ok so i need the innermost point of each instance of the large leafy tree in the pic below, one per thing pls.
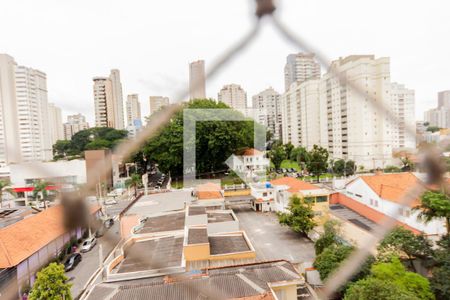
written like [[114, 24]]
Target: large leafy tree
[[435, 205], [403, 242], [300, 155], [51, 283], [440, 282], [300, 216], [318, 161], [328, 237], [394, 272], [373, 288], [277, 154], [95, 138], [5, 187], [214, 141], [342, 167], [330, 259]]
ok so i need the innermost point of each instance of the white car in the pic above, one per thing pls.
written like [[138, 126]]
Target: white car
[[88, 244], [110, 202]]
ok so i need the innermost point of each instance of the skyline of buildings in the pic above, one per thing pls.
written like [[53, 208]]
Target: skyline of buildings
[[440, 116], [300, 67]]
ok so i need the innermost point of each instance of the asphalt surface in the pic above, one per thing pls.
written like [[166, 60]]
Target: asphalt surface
[[271, 240]]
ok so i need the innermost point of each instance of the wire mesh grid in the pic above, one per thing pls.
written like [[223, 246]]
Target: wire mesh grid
[[74, 204]]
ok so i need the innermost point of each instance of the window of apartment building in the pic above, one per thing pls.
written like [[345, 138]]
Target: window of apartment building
[[358, 195]]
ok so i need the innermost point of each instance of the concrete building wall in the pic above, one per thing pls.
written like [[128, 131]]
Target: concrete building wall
[[133, 109], [403, 105], [55, 123], [9, 125], [157, 102], [268, 104], [300, 67], [74, 124]]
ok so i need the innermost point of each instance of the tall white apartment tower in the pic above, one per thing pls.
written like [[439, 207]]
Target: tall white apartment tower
[[356, 129], [55, 123], [197, 83], [32, 110], [116, 87], [403, 107], [234, 96], [300, 67], [9, 125], [303, 114], [268, 105], [108, 101], [133, 109]]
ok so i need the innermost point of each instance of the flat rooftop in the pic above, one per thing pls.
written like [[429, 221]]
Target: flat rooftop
[[216, 217], [152, 254], [197, 236], [228, 244], [197, 210], [226, 283], [353, 217], [169, 222], [162, 202]]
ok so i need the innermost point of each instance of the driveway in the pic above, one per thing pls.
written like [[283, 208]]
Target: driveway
[[271, 240]]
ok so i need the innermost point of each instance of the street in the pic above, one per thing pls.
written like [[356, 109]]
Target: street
[[270, 239]]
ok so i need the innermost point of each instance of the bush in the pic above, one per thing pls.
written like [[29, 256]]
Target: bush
[[51, 284], [329, 236]]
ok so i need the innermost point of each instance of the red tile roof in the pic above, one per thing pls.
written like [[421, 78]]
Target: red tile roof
[[251, 152], [392, 187], [295, 185], [22, 239]]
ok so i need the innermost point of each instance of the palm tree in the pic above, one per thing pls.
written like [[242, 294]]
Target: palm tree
[[5, 187], [134, 181], [40, 190], [434, 205]]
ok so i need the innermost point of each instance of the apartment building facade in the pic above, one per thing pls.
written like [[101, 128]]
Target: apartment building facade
[[234, 96], [197, 80], [300, 67], [108, 101], [268, 106], [403, 107], [157, 102], [74, 124], [56, 127]]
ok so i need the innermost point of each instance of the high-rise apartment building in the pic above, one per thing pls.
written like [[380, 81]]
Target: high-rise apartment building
[[438, 117], [9, 125], [74, 124], [157, 102], [108, 101], [356, 128], [300, 67], [403, 107], [197, 84], [32, 109], [133, 109], [444, 99], [268, 105], [55, 123], [234, 96], [303, 118]]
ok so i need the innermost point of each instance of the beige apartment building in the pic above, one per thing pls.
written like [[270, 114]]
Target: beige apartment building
[[133, 109], [55, 123], [157, 102], [74, 124], [234, 96], [108, 101], [197, 80], [299, 68], [268, 106]]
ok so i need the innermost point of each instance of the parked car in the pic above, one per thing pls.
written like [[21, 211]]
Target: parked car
[[291, 170], [100, 232], [109, 222], [279, 171], [72, 261], [88, 244], [283, 170]]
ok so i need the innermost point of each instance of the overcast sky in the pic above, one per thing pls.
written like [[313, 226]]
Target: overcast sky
[[152, 42]]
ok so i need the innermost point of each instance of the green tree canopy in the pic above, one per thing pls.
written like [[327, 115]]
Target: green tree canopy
[[277, 154], [402, 242], [300, 155], [215, 141], [89, 139], [134, 181], [440, 282], [330, 259], [318, 161], [342, 167], [51, 284], [5, 186], [300, 216], [435, 205], [374, 288], [328, 237]]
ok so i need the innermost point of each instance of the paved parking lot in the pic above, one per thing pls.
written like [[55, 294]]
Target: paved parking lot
[[270, 239]]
